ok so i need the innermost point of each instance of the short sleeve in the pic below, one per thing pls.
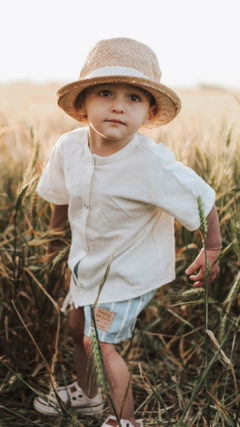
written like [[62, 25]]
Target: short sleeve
[[52, 185], [177, 191]]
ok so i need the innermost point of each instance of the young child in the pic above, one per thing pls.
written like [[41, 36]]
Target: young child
[[111, 180]]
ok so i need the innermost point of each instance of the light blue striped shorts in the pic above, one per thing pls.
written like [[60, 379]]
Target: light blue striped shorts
[[124, 320]]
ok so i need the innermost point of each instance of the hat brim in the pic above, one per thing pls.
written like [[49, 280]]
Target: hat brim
[[167, 101]]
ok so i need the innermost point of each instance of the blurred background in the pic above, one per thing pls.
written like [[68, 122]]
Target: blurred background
[[44, 44]]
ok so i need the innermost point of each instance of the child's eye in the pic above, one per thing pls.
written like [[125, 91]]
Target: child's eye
[[105, 93], [135, 98]]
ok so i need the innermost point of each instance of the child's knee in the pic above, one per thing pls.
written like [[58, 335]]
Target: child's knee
[[76, 324], [109, 353], [87, 343], [107, 349]]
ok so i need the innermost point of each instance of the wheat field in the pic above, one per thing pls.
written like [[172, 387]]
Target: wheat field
[[167, 356]]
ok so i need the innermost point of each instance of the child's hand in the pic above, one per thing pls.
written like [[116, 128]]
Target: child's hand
[[199, 263]]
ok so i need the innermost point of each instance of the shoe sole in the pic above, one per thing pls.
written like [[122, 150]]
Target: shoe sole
[[90, 409], [49, 410]]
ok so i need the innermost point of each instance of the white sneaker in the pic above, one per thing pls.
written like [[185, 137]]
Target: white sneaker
[[112, 421], [78, 399]]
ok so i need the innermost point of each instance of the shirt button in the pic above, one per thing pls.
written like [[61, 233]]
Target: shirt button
[[94, 161], [86, 206]]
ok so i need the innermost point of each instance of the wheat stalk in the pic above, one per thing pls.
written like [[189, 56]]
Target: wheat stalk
[[197, 388], [204, 229], [33, 210], [235, 227], [232, 295], [99, 365], [227, 361], [95, 343], [58, 258]]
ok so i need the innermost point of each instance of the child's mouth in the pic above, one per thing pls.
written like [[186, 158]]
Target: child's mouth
[[116, 122]]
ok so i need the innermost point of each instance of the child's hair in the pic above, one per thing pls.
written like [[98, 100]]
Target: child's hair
[[80, 98], [152, 101]]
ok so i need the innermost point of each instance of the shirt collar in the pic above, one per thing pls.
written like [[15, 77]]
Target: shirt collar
[[116, 156]]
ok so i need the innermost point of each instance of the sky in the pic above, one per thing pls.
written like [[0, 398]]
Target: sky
[[196, 41]]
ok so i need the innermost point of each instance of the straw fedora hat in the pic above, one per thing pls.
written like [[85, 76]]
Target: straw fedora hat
[[122, 60]]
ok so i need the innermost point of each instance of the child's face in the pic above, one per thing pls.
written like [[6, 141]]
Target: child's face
[[116, 110]]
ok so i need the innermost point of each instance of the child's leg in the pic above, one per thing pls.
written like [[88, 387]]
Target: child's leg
[[118, 378], [82, 404], [85, 373]]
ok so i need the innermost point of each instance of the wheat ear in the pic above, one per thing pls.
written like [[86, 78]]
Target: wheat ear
[[204, 229]]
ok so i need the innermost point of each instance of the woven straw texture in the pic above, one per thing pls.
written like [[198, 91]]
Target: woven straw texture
[[123, 52]]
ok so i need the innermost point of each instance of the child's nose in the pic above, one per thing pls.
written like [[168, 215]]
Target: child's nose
[[117, 106], [117, 110]]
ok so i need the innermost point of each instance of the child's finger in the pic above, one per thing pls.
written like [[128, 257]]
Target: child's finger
[[193, 267], [199, 276], [198, 263], [199, 284]]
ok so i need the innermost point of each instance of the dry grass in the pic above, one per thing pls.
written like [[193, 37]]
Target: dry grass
[[173, 322]]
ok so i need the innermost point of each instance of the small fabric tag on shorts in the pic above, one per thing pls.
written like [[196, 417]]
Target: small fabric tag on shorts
[[104, 318]]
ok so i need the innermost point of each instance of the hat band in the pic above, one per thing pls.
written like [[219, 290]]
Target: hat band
[[115, 71]]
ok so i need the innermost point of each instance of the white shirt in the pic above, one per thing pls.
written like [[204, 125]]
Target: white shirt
[[136, 193]]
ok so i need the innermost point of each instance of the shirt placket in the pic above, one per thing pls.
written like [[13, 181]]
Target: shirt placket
[[86, 198]]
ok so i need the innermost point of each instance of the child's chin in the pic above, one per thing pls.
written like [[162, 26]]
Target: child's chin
[[113, 135]]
